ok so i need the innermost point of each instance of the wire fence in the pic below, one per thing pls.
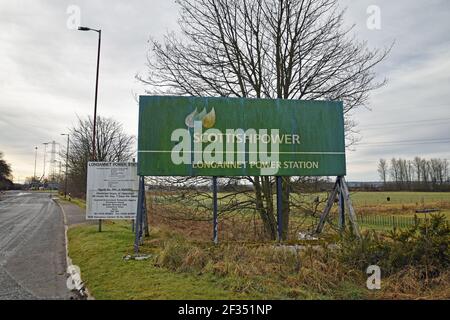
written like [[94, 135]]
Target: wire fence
[[366, 220], [389, 221]]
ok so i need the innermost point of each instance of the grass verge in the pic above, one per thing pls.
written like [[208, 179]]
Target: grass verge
[[414, 264], [108, 276], [77, 201], [183, 270]]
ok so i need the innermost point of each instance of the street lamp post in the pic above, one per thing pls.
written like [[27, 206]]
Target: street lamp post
[[45, 155], [67, 164], [35, 160], [94, 157], [96, 89]]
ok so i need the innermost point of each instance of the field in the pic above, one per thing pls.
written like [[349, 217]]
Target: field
[[399, 198], [373, 210], [184, 264], [361, 200]]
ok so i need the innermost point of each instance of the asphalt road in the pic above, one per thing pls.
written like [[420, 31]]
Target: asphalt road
[[32, 247]]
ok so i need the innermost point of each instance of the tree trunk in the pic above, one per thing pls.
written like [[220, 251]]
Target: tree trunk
[[263, 195], [286, 188]]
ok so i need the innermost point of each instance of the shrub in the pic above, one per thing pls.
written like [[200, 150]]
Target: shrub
[[195, 260], [173, 254], [424, 246]]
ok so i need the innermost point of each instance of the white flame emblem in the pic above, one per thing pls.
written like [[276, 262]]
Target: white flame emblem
[[208, 119]]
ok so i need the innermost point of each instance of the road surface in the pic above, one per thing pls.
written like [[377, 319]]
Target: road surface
[[32, 247]]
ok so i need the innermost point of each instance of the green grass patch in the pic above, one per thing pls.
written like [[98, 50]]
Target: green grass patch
[[180, 269], [399, 197], [77, 201], [371, 198], [108, 276], [183, 269]]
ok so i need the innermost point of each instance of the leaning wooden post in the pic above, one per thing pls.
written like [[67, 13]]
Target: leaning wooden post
[[351, 211], [327, 209], [341, 206]]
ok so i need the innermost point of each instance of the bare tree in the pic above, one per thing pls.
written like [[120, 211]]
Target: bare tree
[[419, 174], [417, 167], [112, 144], [446, 172], [287, 49], [424, 169], [5, 168], [394, 171], [383, 170], [5, 173]]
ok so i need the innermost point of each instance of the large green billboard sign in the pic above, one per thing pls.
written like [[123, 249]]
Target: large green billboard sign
[[193, 136]]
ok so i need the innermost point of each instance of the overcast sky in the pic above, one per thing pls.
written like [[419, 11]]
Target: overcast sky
[[47, 74]]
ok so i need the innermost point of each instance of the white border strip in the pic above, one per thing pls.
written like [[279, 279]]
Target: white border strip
[[83, 291]]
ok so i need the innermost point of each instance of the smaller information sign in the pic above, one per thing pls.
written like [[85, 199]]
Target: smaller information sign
[[112, 190]]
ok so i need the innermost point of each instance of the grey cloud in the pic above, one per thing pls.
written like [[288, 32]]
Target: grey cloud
[[47, 71]]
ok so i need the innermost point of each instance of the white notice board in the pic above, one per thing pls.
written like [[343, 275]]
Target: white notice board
[[112, 190]]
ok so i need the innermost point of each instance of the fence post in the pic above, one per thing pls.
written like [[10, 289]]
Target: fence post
[[215, 215], [138, 221], [145, 215]]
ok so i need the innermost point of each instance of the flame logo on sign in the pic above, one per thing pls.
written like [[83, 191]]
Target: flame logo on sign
[[208, 119]]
